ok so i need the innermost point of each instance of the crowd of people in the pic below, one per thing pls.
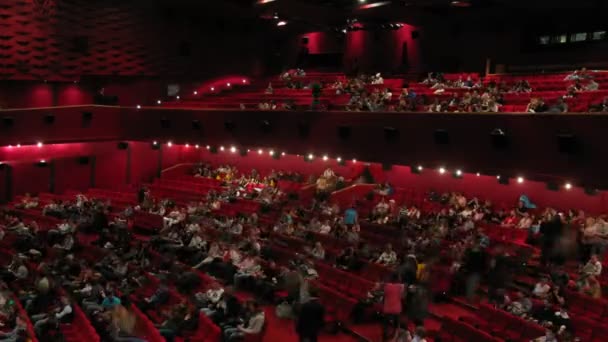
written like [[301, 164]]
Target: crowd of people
[[52, 271]]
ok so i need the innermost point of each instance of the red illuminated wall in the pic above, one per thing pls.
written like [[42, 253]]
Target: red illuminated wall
[[373, 50]]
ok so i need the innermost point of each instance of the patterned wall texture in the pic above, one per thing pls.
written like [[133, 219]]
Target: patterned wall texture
[[63, 39]]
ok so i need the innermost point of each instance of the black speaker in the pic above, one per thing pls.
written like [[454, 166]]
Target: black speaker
[[391, 134], [415, 34], [552, 186], [305, 40], [303, 130], [591, 191], [230, 126], [49, 119], [503, 180], [196, 125], [442, 137], [499, 139], [8, 121], [265, 127], [185, 49], [568, 144], [165, 123], [387, 166], [83, 160], [344, 132], [123, 145]]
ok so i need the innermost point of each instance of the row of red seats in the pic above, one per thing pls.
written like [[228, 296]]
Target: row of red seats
[[147, 221], [455, 331], [501, 323], [344, 282]]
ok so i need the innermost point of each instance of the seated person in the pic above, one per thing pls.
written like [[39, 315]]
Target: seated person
[[388, 256], [253, 326], [318, 252], [63, 314], [542, 289], [521, 306], [183, 318], [207, 302], [247, 269]]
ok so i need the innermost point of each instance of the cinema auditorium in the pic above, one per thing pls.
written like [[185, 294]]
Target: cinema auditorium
[[303, 170]]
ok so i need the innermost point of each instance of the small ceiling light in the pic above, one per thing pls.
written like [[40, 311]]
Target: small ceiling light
[[212, 88], [228, 84], [248, 150], [325, 158], [177, 97], [39, 144], [271, 152], [208, 147], [420, 168], [478, 174], [354, 160], [42, 161], [155, 142], [18, 145], [159, 102], [282, 23], [568, 186], [232, 149], [195, 92], [343, 30], [276, 15], [10, 146], [520, 180], [441, 170], [339, 159], [497, 176], [244, 80], [138, 107], [196, 146], [283, 153], [310, 156], [169, 144], [458, 173], [187, 145], [221, 148], [361, 1], [260, 151], [461, 3]]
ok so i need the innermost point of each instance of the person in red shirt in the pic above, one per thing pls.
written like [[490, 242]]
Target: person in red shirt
[[392, 306]]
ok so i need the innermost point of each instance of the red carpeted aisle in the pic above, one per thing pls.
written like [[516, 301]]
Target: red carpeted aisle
[[281, 330]]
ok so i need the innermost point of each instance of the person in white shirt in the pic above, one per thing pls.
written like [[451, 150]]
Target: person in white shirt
[[254, 326], [247, 269], [592, 268], [210, 299], [325, 227], [67, 244], [388, 257], [318, 252], [542, 289], [62, 314]]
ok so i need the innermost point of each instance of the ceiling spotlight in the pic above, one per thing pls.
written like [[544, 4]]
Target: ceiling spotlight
[[233, 149], [177, 97], [419, 167], [458, 173], [568, 186], [212, 88], [324, 158], [138, 107], [282, 23], [260, 151], [208, 147], [339, 159], [42, 161], [221, 148], [18, 145], [283, 153], [244, 80], [276, 15], [155, 143], [343, 30], [271, 152], [497, 176], [441, 170], [354, 160], [310, 156], [248, 150], [10, 146], [169, 144], [39, 144], [196, 146], [228, 84], [520, 180], [159, 102], [187, 145], [195, 92], [361, 1], [478, 174]]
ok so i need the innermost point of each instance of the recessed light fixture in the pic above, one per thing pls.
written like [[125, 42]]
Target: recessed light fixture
[[441, 170], [458, 173], [520, 180], [568, 186]]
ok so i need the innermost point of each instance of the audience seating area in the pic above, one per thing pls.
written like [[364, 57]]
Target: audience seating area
[[549, 87], [339, 290]]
